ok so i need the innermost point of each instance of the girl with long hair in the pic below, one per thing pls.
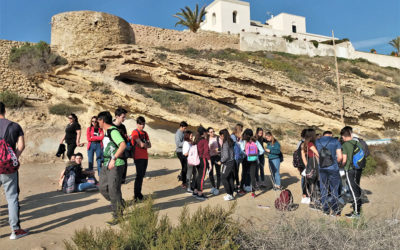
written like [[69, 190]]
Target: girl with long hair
[[72, 135], [228, 164], [191, 170], [274, 159], [95, 135], [204, 155]]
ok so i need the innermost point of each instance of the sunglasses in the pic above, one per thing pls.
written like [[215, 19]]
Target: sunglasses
[[94, 121]]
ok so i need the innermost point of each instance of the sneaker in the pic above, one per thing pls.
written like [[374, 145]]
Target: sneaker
[[184, 186], [189, 190], [353, 215], [226, 197], [213, 190], [305, 200], [112, 222], [253, 195], [216, 192], [201, 197], [230, 197], [247, 189], [18, 234], [194, 194]]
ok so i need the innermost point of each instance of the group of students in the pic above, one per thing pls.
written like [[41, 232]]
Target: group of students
[[109, 140], [330, 168], [200, 154]]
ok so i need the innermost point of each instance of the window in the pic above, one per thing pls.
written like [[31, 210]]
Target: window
[[234, 16], [214, 19], [294, 30]]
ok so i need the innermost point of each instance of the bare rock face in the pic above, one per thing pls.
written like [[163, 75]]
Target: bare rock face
[[78, 32], [242, 93]]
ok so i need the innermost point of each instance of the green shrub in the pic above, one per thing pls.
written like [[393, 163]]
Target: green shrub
[[315, 42], [64, 109], [161, 56], [358, 72], [330, 81], [288, 38], [370, 166], [34, 58], [382, 91], [141, 228], [169, 99], [140, 90], [11, 99], [102, 87]]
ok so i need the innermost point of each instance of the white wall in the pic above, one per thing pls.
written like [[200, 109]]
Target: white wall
[[223, 10], [253, 42], [284, 22]]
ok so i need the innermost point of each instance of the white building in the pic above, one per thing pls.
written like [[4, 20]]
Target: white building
[[233, 17]]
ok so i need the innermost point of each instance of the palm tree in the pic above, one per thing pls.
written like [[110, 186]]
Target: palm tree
[[396, 44], [191, 19]]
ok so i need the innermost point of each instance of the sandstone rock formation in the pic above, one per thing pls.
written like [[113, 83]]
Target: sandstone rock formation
[[78, 32]]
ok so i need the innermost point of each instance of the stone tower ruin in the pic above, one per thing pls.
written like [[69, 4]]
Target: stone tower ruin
[[78, 32]]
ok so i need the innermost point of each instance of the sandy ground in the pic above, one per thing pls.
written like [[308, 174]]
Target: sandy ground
[[52, 216]]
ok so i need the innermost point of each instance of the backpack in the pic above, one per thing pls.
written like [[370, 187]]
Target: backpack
[[285, 201], [8, 159], [297, 160], [364, 146], [193, 156], [358, 157], [251, 151], [325, 157], [69, 185], [311, 169]]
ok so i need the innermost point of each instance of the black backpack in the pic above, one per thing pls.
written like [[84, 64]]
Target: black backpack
[[325, 157], [297, 160]]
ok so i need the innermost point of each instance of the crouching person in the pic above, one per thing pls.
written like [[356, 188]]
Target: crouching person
[[111, 173], [75, 179]]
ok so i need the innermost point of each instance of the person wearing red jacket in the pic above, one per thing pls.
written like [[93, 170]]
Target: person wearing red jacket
[[95, 137], [204, 155]]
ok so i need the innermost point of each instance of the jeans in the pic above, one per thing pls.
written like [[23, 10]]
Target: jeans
[[214, 164], [95, 147], [191, 176], [228, 176], [141, 167], [260, 168], [11, 190], [274, 165], [329, 180], [85, 185], [110, 188], [183, 161]]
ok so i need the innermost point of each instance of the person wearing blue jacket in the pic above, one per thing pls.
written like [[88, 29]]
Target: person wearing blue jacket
[[274, 159]]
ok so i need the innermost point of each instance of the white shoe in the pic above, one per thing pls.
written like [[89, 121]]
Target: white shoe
[[216, 192], [305, 200], [247, 188], [230, 197]]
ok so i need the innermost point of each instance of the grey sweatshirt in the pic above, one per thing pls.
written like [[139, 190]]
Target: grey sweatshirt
[[179, 141], [227, 153]]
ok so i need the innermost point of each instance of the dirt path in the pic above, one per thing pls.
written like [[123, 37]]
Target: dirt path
[[52, 216]]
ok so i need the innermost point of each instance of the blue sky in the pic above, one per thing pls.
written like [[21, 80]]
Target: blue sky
[[367, 23]]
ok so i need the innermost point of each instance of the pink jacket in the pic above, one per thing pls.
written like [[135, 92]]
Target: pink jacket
[[94, 138]]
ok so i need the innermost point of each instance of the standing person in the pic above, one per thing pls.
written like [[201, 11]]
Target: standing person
[[330, 152], [236, 136], [120, 116], [274, 159], [179, 139], [95, 136], [204, 155], [141, 142], [214, 144], [228, 164], [305, 199], [72, 135], [252, 149], [111, 173], [260, 177], [11, 135], [353, 175], [191, 171], [310, 156]]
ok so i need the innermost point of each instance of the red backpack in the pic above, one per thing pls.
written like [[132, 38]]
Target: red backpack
[[8, 159], [285, 201]]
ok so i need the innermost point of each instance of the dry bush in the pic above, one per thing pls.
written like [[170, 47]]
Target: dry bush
[[293, 233], [382, 91], [65, 109], [11, 99]]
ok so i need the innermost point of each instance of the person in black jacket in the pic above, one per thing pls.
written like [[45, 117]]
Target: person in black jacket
[[228, 164]]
